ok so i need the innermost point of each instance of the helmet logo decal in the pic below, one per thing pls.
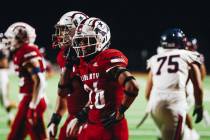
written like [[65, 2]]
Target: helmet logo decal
[[98, 30]]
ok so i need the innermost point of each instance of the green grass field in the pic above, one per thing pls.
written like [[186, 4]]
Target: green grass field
[[147, 131]]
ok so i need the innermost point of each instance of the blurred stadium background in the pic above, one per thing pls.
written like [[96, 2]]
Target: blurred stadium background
[[135, 27]]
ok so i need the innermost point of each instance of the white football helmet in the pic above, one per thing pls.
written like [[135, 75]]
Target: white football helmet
[[20, 30], [65, 28], [91, 36]]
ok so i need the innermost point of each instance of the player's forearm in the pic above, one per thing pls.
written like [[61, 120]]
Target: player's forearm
[[130, 86], [195, 75], [64, 85], [61, 105], [35, 91], [131, 92], [203, 71], [198, 94], [149, 86]]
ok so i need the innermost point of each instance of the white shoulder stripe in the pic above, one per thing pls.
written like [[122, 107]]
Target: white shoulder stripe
[[117, 60], [30, 54]]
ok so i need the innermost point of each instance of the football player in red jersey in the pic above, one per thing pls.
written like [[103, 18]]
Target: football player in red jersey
[[68, 98], [29, 67], [110, 86]]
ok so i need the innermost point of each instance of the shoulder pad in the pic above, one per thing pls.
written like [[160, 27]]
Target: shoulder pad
[[191, 57], [111, 58], [149, 62]]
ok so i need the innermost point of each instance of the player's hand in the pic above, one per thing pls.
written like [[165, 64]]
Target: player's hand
[[198, 111], [52, 130], [53, 125], [112, 119], [72, 128], [32, 116]]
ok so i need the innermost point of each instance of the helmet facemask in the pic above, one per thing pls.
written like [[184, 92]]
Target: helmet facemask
[[63, 36], [85, 46]]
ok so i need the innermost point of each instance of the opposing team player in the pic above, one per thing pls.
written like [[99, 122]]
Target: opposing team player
[[68, 98], [29, 67], [110, 86], [192, 45], [4, 81], [166, 85]]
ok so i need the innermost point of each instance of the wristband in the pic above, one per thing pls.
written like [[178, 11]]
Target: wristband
[[82, 116], [56, 118], [122, 109]]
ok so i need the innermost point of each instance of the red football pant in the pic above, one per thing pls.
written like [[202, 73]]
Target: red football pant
[[21, 127], [118, 131]]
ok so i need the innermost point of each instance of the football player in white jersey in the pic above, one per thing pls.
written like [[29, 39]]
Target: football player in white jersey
[[166, 85]]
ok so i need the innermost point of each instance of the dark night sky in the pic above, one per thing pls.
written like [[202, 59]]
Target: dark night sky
[[135, 25]]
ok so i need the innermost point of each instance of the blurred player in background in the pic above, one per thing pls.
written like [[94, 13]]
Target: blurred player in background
[[110, 86], [29, 66], [192, 45], [48, 66], [70, 87], [166, 85], [4, 81]]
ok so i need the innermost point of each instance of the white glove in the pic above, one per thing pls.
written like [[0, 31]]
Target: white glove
[[72, 127], [51, 130]]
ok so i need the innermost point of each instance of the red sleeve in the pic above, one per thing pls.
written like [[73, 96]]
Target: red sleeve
[[111, 58], [30, 54]]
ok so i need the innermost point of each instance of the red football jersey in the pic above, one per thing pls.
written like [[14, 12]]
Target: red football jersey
[[76, 100], [61, 61], [105, 94], [20, 58]]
